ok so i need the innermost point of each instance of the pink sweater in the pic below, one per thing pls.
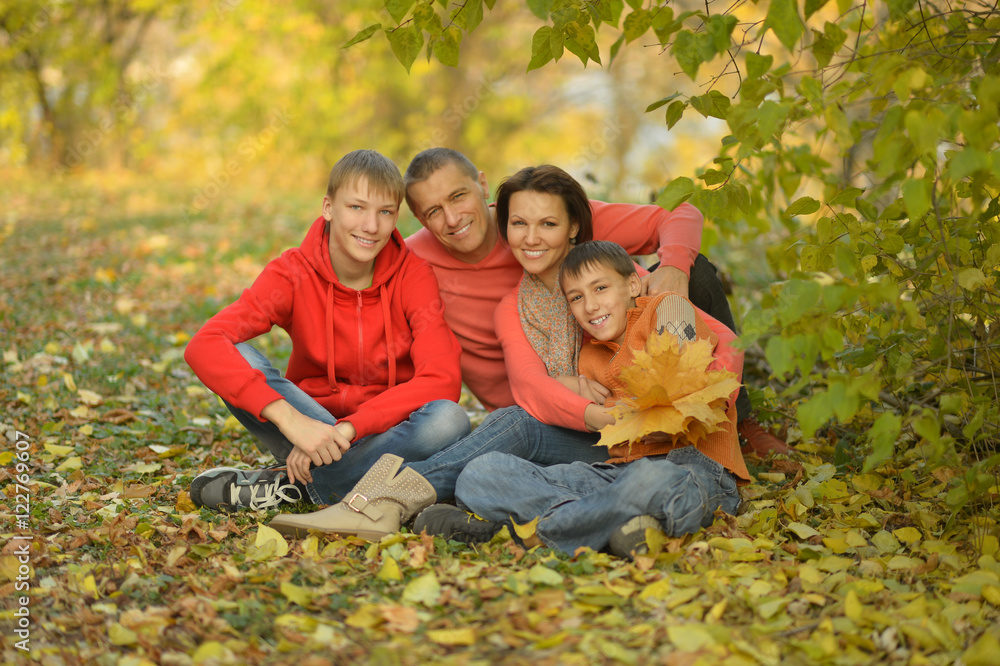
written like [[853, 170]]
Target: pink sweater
[[471, 292]]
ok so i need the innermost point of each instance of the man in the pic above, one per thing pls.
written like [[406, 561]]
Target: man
[[448, 195]]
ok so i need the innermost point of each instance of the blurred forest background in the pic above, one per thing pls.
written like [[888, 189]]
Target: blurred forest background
[[208, 101], [154, 154]]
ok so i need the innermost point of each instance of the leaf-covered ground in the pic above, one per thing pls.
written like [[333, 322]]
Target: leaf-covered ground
[[100, 290]]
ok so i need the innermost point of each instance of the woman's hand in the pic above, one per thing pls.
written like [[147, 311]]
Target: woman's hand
[[596, 417], [585, 388]]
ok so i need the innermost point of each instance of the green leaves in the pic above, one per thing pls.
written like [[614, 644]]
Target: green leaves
[[406, 44], [783, 19], [363, 35]]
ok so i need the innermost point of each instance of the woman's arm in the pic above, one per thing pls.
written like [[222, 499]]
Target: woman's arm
[[542, 396]]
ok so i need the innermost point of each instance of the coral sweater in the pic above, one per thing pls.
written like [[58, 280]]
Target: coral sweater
[[370, 356], [471, 292], [603, 361]]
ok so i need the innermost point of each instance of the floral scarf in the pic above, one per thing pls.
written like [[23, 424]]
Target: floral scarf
[[549, 325]]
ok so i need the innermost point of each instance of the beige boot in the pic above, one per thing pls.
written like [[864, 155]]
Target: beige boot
[[380, 502]]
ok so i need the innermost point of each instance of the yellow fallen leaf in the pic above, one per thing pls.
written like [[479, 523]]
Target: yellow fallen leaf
[[211, 652], [267, 534], [527, 530], [658, 590], [853, 608], [991, 593], [298, 623], [59, 450], [70, 464], [90, 398], [983, 652], [465, 636], [6, 457], [82, 412], [119, 635], [543, 575], [296, 593], [424, 590], [69, 382], [689, 637], [184, 503], [366, 617], [389, 571]]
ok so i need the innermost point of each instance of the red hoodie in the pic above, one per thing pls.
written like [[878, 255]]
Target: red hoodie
[[370, 357]]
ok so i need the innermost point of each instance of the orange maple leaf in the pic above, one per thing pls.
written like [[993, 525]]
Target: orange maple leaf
[[671, 395]]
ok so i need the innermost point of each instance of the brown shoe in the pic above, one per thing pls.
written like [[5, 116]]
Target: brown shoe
[[755, 439]]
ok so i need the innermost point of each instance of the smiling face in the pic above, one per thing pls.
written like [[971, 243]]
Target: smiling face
[[361, 223], [539, 232], [453, 207], [599, 297]]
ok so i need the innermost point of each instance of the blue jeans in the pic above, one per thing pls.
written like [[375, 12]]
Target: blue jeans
[[581, 505], [513, 431], [430, 429]]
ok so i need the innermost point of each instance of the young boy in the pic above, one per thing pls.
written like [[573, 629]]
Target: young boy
[[374, 369], [650, 484]]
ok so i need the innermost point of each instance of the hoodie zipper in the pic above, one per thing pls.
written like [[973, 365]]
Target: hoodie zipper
[[361, 344]]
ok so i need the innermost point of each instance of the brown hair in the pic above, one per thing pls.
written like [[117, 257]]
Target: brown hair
[[596, 253], [380, 172], [551, 180], [429, 161]]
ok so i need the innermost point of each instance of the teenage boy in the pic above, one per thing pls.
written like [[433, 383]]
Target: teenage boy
[[374, 368], [652, 483], [475, 270]]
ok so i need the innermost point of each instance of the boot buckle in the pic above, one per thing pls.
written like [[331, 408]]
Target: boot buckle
[[364, 507], [362, 502]]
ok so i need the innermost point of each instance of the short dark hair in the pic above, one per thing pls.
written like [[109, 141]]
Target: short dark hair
[[380, 172], [596, 253], [550, 180], [428, 161]]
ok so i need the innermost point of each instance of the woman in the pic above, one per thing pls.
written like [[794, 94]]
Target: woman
[[541, 212]]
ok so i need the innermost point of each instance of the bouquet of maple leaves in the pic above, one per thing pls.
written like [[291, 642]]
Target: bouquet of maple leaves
[[670, 395]]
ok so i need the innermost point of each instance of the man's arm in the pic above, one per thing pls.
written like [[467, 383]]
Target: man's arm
[[675, 237]]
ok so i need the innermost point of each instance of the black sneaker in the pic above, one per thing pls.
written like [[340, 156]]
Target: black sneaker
[[630, 538], [231, 489], [454, 524]]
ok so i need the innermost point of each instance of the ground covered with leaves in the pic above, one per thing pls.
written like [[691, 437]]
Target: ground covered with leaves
[[99, 293]]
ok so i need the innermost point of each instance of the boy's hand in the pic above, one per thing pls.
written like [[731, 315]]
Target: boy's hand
[[596, 417], [314, 442], [665, 278], [320, 444]]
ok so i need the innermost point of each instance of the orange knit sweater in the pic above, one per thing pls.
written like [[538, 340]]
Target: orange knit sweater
[[603, 361]]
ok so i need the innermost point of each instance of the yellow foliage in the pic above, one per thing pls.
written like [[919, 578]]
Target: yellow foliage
[[671, 395]]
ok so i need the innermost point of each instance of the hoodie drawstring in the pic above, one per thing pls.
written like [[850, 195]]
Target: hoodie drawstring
[[389, 342], [331, 368]]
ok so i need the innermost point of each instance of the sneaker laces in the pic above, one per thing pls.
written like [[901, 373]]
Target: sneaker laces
[[266, 495]]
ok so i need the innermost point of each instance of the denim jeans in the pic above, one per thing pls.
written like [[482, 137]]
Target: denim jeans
[[513, 431], [706, 291], [581, 504], [429, 429]]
